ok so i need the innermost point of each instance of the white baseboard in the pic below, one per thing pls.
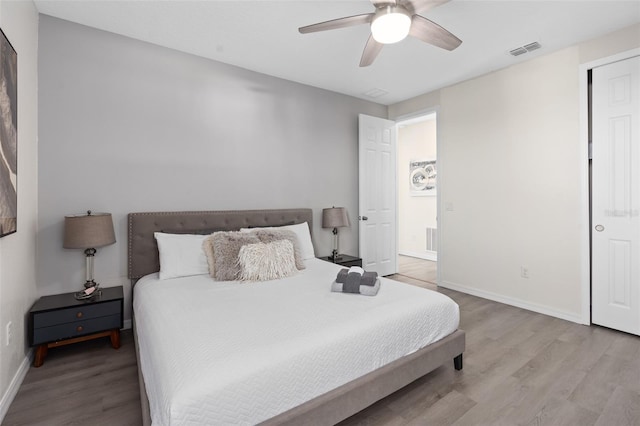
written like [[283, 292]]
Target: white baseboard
[[14, 386], [420, 255], [541, 309], [126, 324]]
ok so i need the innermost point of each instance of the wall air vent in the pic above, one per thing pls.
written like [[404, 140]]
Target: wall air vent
[[432, 239], [525, 49]]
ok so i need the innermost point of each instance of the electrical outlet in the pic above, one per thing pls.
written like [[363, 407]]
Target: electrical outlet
[[524, 272], [9, 333]]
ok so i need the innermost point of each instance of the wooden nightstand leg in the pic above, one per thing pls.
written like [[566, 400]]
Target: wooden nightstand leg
[[115, 339], [41, 353]]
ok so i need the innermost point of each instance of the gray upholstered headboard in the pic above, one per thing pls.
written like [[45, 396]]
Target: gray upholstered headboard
[[143, 249]]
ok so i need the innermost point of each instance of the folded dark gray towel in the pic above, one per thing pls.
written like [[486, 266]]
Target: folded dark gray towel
[[342, 276], [365, 290], [369, 278], [352, 285]]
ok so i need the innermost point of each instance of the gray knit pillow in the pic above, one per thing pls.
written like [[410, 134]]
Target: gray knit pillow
[[270, 235], [226, 246], [267, 261]]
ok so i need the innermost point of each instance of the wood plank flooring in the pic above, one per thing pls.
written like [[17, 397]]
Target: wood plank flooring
[[520, 368], [417, 269], [87, 383]]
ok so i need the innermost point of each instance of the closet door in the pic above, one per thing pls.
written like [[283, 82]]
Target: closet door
[[615, 283]]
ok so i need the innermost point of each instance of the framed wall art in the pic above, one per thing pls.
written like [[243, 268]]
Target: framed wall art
[[8, 137], [422, 177]]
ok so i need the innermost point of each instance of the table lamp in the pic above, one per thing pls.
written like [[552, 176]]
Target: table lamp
[[335, 217], [88, 232]]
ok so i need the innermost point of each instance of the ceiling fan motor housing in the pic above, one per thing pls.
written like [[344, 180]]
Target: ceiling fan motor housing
[[390, 24]]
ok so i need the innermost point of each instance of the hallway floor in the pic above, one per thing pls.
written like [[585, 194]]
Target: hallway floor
[[419, 270]]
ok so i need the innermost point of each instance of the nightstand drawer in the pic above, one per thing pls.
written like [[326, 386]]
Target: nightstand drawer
[[75, 314], [75, 329]]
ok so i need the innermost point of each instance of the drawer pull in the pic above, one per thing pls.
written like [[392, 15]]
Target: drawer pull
[[79, 315], [79, 328]]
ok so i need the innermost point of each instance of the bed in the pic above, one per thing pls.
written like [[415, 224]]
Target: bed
[[341, 354]]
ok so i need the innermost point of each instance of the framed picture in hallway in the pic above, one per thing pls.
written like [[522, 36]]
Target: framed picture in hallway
[[8, 137], [422, 177]]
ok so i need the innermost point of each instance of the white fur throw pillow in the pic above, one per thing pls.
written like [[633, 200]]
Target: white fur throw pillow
[[226, 246], [274, 234], [263, 262], [303, 233]]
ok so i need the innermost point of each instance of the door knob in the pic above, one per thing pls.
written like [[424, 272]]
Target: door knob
[[363, 218], [599, 228]]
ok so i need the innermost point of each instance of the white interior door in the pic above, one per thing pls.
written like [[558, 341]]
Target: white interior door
[[615, 285], [377, 177]]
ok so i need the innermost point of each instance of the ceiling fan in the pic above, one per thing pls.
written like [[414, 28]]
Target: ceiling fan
[[392, 21]]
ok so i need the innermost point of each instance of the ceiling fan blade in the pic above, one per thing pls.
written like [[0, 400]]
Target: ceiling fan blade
[[371, 51], [337, 23], [378, 3], [432, 33], [421, 6]]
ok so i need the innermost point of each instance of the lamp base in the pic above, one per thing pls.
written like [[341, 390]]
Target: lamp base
[[89, 292], [335, 256]]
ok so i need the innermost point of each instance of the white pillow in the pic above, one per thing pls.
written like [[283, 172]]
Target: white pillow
[[181, 255], [304, 237]]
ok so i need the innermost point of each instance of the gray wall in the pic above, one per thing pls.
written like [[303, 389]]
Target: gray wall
[[129, 126], [19, 22]]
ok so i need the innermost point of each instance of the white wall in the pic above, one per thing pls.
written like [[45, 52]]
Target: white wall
[[19, 21], [128, 126], [511, 176], [416, 141]]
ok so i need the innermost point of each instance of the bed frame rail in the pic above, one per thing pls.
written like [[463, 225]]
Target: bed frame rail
[[355, 396]]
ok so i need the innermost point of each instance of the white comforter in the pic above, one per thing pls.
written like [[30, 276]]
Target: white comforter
[[239, 353]]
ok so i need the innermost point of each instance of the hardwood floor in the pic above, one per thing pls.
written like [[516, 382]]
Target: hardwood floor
[[520, 368], [417, 269], [87, 383]]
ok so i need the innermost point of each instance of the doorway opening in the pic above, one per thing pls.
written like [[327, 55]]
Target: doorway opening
[[417, 197]]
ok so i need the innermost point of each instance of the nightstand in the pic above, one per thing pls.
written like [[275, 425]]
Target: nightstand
[[345, 260], [62, 320]]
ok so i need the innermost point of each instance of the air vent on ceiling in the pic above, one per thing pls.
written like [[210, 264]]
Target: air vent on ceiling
[[519, 51], [524, 49], [532, 46], [375, 93]]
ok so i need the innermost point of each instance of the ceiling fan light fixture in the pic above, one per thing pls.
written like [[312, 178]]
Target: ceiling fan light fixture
[[391, 24]]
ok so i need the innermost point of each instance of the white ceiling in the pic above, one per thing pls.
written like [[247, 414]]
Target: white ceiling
[[262, 36]]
